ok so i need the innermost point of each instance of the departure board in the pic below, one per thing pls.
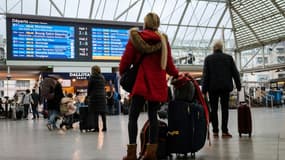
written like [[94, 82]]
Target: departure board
[[64, 39], [83, 42], [41, 40], [108, 43]]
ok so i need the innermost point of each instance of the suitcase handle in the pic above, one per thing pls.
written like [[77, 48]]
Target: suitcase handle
[[241, 96]]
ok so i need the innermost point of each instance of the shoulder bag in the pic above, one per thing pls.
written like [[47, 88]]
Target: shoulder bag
[[128, 78]]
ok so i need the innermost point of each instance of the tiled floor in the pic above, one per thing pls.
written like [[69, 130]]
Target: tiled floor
[[30, 140]]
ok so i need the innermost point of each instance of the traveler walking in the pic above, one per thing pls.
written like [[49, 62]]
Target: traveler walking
[[36, 99], [27, 101], [219, 70], [53, 103]]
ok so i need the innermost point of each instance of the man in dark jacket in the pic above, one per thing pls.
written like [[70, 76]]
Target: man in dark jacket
[[53, 105], [219, 70], [36, 100]]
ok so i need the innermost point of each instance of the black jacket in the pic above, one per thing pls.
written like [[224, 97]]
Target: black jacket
[[36, 98], [96, 93], [219, 70], [54, 103]]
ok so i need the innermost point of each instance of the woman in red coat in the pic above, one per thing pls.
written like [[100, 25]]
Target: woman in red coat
[[151, 84]]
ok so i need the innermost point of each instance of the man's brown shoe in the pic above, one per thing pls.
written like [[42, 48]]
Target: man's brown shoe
[[227, 135]]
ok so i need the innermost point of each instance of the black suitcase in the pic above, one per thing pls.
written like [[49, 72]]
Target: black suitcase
[[187, 127], [83, 118], [19, 114]]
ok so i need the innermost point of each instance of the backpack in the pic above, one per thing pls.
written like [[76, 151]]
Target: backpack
[[161, 152], [47, 88], [184, 89]]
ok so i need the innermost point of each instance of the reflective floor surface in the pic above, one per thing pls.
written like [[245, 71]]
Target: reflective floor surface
[[31, 140]]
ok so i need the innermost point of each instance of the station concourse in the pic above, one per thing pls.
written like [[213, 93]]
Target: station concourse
[[44, 38]]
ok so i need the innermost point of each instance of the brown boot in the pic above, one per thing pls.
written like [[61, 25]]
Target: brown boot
[[150, 153], [131, 153]]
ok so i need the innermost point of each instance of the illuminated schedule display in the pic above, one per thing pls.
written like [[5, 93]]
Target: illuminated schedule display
[[108, 43], [41, 40], [63, 39]]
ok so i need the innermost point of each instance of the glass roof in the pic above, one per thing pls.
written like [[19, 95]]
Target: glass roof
[[188, 23], [258, 22], [191, 25]]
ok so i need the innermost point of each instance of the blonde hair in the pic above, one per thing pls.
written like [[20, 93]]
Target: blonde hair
[[218, 45], [95, 69], [152, 22]]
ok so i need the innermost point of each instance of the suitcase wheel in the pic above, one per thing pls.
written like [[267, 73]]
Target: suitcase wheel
[[192, 156], [183, 156], [249, 134], [239, 134]]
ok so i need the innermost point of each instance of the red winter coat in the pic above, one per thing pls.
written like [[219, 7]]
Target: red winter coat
[[151, 79]]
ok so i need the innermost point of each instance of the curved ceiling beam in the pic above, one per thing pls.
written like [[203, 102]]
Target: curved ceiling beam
[[246, 23]]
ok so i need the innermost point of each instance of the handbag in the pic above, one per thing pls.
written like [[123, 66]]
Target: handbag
[[128, 78]]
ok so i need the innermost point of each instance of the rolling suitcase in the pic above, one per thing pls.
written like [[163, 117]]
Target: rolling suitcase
[[187, 127], [83, 118], [244, 119], [244, 115]]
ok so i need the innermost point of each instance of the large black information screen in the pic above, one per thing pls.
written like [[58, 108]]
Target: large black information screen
[[108, 43], [42, 40], [52, 39]]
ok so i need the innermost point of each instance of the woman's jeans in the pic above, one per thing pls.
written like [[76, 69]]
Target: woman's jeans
[[136, 107], [35, 111]]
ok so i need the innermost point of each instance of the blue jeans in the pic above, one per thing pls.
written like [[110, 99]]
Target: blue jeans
[[51, 119]]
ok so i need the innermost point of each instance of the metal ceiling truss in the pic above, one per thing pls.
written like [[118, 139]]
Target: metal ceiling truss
[[197, 29], [77, 10], [172, 12], [98, 8], [256, 53], [164, 4], [56, 8], [104, 6], [180, 21], [64, 7], [140, 11], [18, 2], [126, 10], [213, 13], [116, 9], [282, 12], [91, 9], [264, 69], [50, 7], [257, 23], [186, 32], [37, 7], [127, 13], [247, 24], [217, 26], [152, 6]]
